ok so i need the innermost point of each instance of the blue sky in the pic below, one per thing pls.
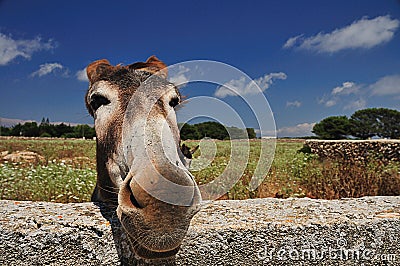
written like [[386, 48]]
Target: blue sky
[[312, 59]]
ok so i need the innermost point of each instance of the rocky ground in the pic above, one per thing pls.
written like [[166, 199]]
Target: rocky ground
[[358, 150], [267, 231]]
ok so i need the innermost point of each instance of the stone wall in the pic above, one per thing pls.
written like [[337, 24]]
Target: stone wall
[[362, 231], [359, 150]]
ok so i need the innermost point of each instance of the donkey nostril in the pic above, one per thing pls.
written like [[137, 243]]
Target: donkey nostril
[[133, 199], [134, 202]]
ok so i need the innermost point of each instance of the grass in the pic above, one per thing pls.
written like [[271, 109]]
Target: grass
[[56, 182], [51, 149], [68, 172]]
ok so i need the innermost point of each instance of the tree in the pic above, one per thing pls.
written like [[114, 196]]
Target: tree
[[388, 123], [5, 131], [212, 130], [333, 127], [46, 129], [380, 122], [189, 132], [251, 133], [30, 129], [83, 131], [16, 130], [215, 130], [62, 130], [363, 124]]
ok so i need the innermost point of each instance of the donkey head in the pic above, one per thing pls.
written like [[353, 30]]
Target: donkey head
[[140, 165]]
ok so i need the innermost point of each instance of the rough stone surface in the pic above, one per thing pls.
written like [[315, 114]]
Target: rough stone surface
[[362, 231], [23, 157], [358, 150]]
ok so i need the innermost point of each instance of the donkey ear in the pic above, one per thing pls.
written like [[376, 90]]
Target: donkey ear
[[152, 65], [192, 151], [95, 69]]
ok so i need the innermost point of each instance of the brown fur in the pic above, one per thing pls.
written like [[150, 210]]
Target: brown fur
[[152, 65], [120, 83], [102, 68]]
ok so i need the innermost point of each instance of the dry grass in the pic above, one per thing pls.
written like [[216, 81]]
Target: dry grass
[[351, 179]]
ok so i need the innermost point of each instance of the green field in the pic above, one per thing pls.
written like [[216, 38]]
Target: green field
[[67, 172]]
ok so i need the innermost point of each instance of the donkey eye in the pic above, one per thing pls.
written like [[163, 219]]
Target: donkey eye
[[98, 100], [174, 102]]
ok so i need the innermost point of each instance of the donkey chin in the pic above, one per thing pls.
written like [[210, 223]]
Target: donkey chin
[[155, 211]]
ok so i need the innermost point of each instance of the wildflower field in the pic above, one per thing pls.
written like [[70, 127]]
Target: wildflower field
[[67, 172]]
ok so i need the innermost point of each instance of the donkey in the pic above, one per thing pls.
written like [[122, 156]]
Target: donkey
[[188, 153], [140, 166]]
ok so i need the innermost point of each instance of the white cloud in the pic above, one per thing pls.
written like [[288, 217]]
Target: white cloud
[[46, 69], [11, 49], [340, 94], [328, 100], [266, 133], [293, 104], [353, 96], [364, 33], [356, 104], [81, 75], [179, 78], [299, 130], [242, 86], [388, 85], [236, 85], [9, 122], [330, 103], [346, 89], [292, 41]]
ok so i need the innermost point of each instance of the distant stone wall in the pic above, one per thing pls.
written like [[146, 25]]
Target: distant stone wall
[[359, 150], [362, 231]]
